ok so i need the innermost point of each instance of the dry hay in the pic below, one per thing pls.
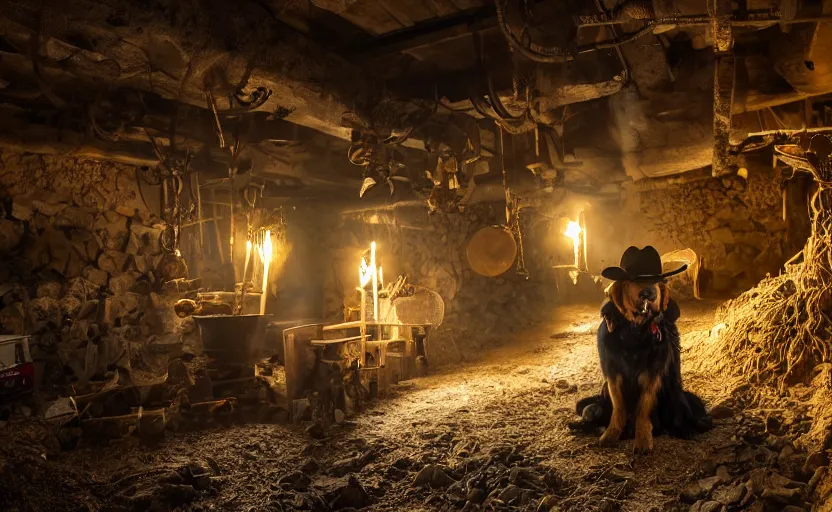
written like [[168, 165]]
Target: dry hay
[[778, 332]]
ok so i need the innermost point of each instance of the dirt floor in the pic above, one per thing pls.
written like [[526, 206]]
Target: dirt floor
[[489, 435]]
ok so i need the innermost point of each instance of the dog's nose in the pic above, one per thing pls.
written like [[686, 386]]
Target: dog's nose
[[647, 294]]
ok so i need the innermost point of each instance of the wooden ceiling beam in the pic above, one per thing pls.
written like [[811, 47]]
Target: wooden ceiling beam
[[429, 33]]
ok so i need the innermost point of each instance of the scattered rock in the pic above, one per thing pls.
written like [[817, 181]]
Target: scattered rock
[[720, 412], [435, 476], [773, 425], [95, 276], [707, 484], [315, 431], [692, 492], [723, 475], [113, 262], [310, 466], [350, 464], [781, 496], [296, 481], [509, 494], [49, 289], [476, 496], [730, 495], [403, 463], [174, 495], [706, 506], [815, 460], [820, 475], [74, 218], [349, 495], [790, 463], [547, 504], [339, 416], [123, 283]]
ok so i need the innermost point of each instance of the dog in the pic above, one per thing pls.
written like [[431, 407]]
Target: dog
[[640, 358]]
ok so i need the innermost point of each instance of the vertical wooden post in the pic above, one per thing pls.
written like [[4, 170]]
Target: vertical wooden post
[[363, 329], [214, 209], [199, 217]]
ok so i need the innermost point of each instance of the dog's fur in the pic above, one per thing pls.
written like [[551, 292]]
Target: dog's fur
[[642, 394]]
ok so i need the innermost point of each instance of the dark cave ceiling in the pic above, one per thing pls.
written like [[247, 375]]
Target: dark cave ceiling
[[318, 95]]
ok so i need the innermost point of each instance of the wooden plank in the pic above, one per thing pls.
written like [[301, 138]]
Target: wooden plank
[[323, 343], [394, 11], [345, 325], [372, 17], [442, 8]]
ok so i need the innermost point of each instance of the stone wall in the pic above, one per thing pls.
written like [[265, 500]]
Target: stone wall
[[735, 224], [430, 251], [80, 265]]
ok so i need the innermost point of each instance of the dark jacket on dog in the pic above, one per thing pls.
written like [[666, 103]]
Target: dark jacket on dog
[[631, 350]]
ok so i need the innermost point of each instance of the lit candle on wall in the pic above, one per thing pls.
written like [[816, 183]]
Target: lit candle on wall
[[573, 231], [267, 258]]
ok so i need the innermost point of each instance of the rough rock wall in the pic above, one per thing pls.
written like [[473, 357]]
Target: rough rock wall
[[430, 251], [733, 223], [79, 263]]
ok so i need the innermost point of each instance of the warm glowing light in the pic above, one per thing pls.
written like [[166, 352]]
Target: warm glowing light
[[267, 246], [573, 230], [365, 273], [375, 279], [370, 272], [380, 277], [266, 255]]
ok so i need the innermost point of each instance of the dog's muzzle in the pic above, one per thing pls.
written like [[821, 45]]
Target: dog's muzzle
[[647, 296]]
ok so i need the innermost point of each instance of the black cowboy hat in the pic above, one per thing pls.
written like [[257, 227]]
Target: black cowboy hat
[[639, 265]]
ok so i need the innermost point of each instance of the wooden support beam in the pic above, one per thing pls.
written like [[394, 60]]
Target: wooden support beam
[[431, 32]]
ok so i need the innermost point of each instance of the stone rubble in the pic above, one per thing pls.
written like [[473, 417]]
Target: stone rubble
[[763, 470], [78, 267]]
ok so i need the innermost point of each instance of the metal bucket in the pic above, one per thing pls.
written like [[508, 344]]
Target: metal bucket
[[232, 338]]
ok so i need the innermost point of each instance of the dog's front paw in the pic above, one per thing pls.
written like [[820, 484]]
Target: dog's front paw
[[643, 443], [610, 437]]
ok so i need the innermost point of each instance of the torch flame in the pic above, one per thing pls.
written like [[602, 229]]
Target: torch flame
[[573, 230]]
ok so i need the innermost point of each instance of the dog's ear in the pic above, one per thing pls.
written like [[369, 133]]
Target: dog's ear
[[665, 296], [617, 296]]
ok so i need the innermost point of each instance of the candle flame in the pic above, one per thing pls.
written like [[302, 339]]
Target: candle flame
[[267, 246], [573, 230], [365, 273]]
